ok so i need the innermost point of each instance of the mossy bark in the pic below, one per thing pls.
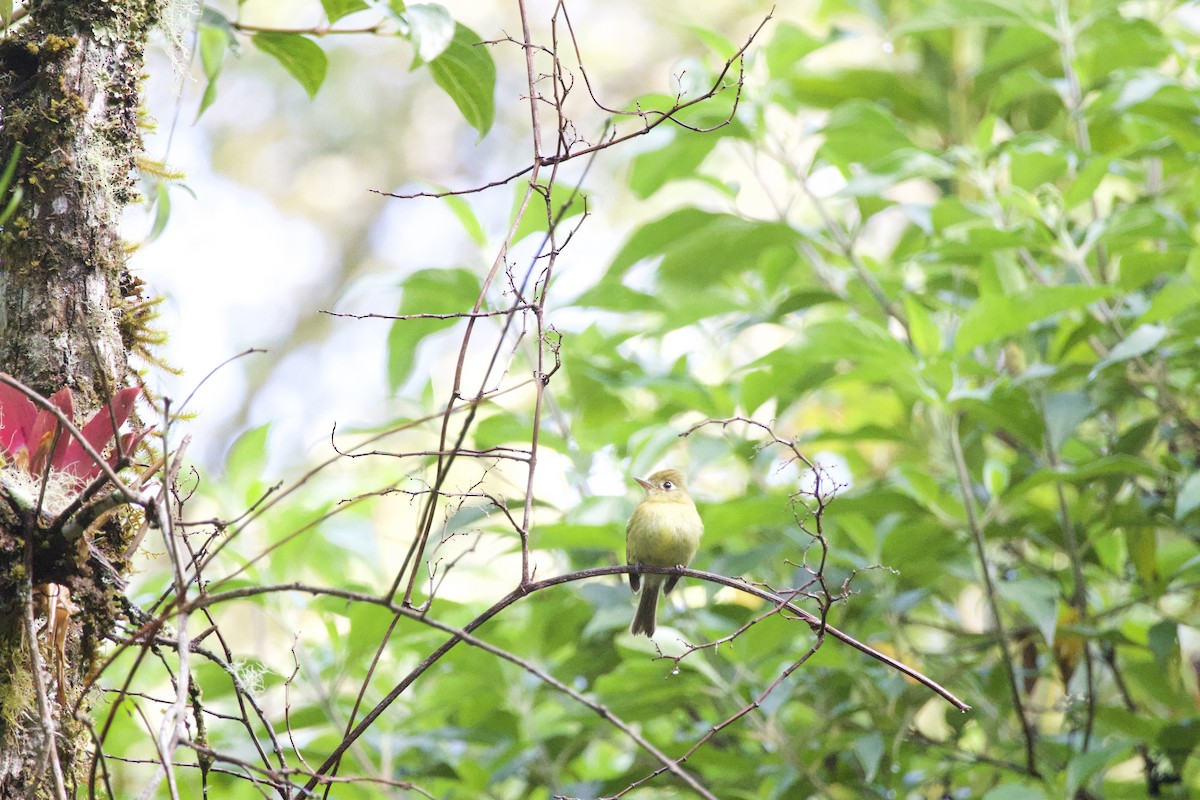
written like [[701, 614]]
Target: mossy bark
[[69, 96]]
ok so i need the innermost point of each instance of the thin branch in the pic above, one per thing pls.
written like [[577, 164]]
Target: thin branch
[[741, 712], [465, 406], [173, 729], [214, 371], [1078, 599], [318, 31], [455, 315], [810, 619], [669, 764], [968, 499], [651, 119], [49, 736], [458, 192]]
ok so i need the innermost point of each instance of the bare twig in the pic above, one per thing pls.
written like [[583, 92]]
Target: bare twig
[[49, 735], [964, 484], [810, 619]]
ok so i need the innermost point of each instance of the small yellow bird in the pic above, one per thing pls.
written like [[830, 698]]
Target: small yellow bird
[[664, 531]]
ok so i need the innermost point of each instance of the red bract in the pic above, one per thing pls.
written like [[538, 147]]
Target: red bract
[[27, 433]]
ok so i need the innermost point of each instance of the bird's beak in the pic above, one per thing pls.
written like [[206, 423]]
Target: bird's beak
[[647, 485]]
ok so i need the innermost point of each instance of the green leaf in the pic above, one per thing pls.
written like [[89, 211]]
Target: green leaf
[[617, 297], [466, 72], [846, 350], [1005, 408], [574, 536], [1162, 639], [997, 316], [996, 475], [788, 47], [677, 160], [10, 168], [1036, 159], [1064, 411], [162, 210], [720, 45], [1142, 546], [1083, 766], [923, 550], [805, 297], [925, 334], [1121, 466], [14, 199], [336, 9], [213, 43], [215, 38], [430, 28], [699, 247], [1141, 268], [509, 428], [861, 132], [963, 13], [1179, 741], [1141, 88], [1115, 42], [885, 172], [1143, 339], [300, 56], [869, 751], [757, 388], [246, 461], [1011, 791], [1037, 599], [369, 625], [1188, 499], [896, 93], [10, 207], [1176, 297], [466, 215], [430, 291], [1131, 227], [1129, 723], [1083, 188]]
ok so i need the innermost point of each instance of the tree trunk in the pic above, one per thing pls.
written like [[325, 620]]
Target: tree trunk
[[69, 96]]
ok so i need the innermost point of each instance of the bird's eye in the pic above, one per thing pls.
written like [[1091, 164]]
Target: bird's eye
[[667, 485]]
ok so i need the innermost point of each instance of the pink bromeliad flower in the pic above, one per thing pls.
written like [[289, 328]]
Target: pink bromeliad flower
[[27, 433]]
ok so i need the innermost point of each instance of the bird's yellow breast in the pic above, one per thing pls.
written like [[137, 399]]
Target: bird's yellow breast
[[663, 532]]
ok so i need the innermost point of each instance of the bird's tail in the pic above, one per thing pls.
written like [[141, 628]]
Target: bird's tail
[[647, 610]]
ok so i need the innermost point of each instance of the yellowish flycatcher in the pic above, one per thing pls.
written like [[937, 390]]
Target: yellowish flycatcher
[[664, 531]]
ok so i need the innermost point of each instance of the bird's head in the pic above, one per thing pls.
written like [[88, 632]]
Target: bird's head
[[666, 485]]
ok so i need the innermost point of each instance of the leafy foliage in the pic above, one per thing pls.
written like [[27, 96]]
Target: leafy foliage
[[959, 274], [983, 267], [465, 71], [300, 56], [460, 64]]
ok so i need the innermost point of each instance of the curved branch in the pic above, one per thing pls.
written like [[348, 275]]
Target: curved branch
[[512, 597]]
